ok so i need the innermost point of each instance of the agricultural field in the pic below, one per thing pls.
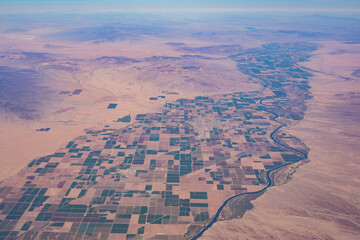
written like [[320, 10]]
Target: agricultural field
[[173, 168]]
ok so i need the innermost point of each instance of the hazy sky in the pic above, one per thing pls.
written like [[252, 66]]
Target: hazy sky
[[84, 6]]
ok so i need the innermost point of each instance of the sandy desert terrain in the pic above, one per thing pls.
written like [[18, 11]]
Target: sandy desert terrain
[[114, 72], [61, 83], [322, 199]]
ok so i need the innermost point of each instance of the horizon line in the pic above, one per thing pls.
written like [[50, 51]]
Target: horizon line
[[187, 10]]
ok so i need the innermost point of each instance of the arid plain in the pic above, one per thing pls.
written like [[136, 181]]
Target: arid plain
[[116, 72], [61, 83], [321, 201]]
